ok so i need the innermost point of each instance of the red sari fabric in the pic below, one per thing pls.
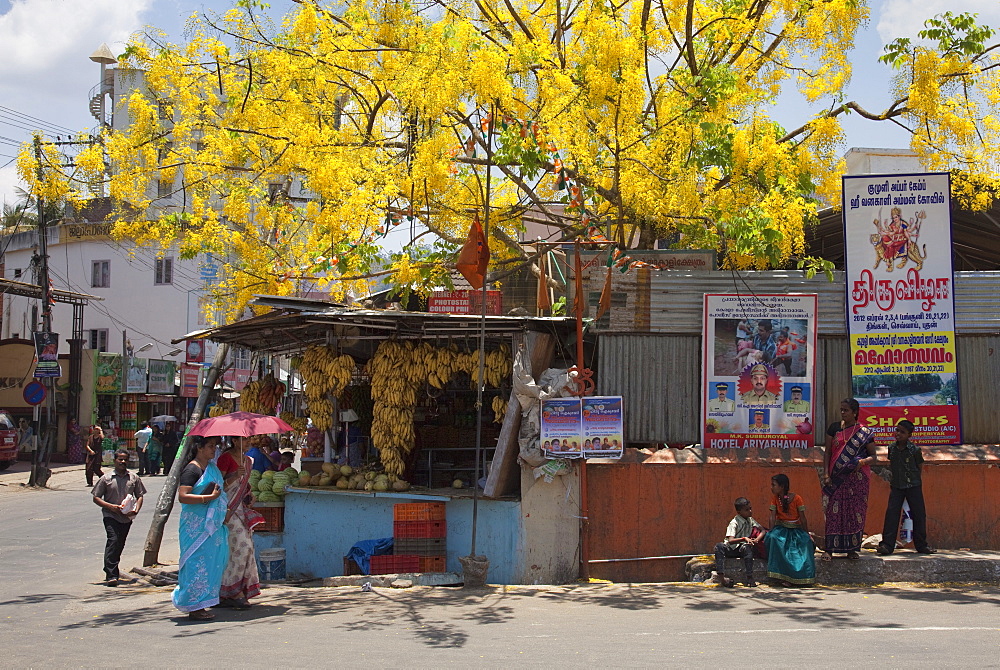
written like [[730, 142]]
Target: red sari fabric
[[845, 500]]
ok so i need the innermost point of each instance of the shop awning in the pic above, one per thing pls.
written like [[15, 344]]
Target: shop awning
[[296, 323]]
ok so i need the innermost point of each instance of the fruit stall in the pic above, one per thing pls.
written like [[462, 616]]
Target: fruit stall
[[391, 398]]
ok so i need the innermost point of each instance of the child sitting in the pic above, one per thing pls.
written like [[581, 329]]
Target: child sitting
[[739, 543], [789, 548]]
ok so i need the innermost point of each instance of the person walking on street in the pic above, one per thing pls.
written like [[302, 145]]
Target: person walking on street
[[905, 484], [154, 448], [92, 466], [171, 440], [119, 495], [142, 447]]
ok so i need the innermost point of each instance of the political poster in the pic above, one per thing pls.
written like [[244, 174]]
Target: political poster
[[758, 371], [47, 355], [900, 304], [603, 427], [561, 430]]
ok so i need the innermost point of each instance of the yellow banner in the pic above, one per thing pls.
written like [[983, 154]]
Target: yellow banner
[[903, 353]]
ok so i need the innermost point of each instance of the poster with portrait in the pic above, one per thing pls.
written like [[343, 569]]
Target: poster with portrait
[[603, 427], [758, 370], [47, 355], [561, 431], [900, 305]]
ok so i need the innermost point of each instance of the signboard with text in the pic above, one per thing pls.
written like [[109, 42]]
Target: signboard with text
[[900, 305], [161, 376], [758, 371]]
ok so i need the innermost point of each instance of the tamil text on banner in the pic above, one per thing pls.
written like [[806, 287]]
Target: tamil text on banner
[[47, 353], [758, 377], [603, 426], [561, 430], [900, 307]]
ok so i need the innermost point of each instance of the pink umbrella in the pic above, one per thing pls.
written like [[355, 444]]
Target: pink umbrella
[[242, 424]]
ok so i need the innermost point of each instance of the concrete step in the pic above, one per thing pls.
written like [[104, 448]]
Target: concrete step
[[904, 565]]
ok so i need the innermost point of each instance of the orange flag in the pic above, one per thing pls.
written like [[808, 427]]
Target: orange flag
[[605, 303], [475, 255], [542, 301]]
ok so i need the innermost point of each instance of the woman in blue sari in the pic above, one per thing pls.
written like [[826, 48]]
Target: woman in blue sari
[[790, 550], [204, 538]]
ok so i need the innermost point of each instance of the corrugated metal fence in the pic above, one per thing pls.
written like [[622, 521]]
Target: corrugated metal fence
[[659, 373]]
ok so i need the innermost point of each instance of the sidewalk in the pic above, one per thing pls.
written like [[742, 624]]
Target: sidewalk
[[905, 565], [64, 477]]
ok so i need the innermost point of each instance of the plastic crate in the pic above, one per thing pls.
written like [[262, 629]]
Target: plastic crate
[[274, 517], [432, 563], [392, 564], [432, 511], [428, 546], [419, 529]]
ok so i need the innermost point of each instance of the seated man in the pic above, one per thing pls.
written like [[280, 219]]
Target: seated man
[[739, 543]]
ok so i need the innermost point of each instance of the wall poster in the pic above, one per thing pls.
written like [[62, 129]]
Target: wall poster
[[589, 427], [758, 371], [900, 306]]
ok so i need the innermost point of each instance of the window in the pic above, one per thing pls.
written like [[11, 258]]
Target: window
[[241, 359], [97, 338], [164, 189], [100, 274], [17, 273], [165, 110], [164, 271], [163, 153]]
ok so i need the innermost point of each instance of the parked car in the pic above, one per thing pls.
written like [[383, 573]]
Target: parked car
[[8, 441]]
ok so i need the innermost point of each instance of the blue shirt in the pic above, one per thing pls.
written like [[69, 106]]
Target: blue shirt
[[765, 345], [260, 460]]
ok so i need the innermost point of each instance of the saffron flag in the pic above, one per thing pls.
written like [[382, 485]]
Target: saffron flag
[[475, 256], [605, 303], [542, 301]]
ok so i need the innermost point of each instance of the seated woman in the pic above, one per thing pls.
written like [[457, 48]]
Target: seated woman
[[790, 550]]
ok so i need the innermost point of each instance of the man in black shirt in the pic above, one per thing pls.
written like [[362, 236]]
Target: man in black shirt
[[171, 440]]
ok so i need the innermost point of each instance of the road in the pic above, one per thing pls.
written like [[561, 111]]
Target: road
[[54, 613]]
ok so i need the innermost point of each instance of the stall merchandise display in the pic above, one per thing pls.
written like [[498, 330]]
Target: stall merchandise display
[[346, 478], [269, 486], [263, 395], [325, 374]]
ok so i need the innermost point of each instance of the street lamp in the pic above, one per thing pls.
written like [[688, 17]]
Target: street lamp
[[148, 345]]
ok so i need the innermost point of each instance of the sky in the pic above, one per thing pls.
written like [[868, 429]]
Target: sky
[[46, 75]]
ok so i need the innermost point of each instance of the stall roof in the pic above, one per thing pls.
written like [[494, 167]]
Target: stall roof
[[12, 287], [295, 324]]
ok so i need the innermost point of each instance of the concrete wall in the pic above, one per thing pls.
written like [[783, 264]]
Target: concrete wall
[[322, 525], [550, 515], [679, 502]]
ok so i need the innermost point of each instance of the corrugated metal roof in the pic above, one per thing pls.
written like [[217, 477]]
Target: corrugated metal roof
[[676, 299]]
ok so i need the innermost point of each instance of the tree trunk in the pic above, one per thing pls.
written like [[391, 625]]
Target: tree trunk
[[165, 503]]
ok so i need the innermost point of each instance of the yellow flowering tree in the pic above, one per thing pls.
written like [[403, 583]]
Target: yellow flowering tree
[[292, 148]]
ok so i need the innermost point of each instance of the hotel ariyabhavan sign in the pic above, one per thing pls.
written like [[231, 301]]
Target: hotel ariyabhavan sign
[[900, 305]]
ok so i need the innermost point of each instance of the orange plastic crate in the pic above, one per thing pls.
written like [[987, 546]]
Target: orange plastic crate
[[392, 564], [432, 564], [417, 529], [432, 511]]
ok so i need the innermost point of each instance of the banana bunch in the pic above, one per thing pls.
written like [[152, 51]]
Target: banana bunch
[[220, 408], [498, 365], [263, 395], [296, 422], [499, 409], [325, 374]]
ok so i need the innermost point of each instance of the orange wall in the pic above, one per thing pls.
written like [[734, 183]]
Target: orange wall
[[659, 509]]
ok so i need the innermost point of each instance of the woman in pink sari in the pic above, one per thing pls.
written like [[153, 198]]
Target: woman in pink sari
[[846, 482], [240, 581]]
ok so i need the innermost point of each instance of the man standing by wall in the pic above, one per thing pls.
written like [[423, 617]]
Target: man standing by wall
[[142, 447], [119, 495]]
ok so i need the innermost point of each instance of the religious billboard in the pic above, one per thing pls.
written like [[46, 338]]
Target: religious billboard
[[900, 305], [758, 371]]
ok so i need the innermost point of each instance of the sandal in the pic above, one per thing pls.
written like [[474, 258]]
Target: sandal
[[750, 583], [826, 557], [201, 615], [853, 555], [239, 605]]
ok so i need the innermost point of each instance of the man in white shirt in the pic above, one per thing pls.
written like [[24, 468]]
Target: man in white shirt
[[141, 445]]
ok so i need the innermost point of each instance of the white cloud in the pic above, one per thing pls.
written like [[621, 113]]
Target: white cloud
[[904, 18]]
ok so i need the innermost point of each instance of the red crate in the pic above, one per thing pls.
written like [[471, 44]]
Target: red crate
[[274, 517], [419, 529], [432, 511], [426, 546], [392, 564], [431, 563]]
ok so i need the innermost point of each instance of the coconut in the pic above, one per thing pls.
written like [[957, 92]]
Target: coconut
[[303, 479], [400, 485], [324, 480], [346, 470], [328, 468], [457, 484], [342, 483], [369, 486], [380, 485]]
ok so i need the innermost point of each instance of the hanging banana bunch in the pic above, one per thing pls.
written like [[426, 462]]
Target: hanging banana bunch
[[325, 374]]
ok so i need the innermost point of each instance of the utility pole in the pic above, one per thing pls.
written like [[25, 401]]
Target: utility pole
[[39, 464]]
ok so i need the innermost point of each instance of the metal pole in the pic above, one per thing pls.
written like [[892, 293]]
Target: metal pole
[[482, 342], [584, 504], [165, 503]]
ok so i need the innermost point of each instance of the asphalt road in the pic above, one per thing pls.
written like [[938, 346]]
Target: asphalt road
[[53, 613]]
